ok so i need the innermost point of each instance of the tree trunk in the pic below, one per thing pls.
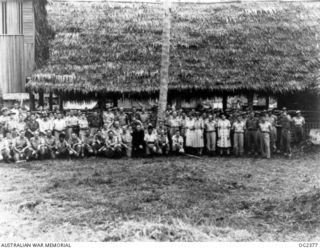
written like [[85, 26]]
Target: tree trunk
[[165, 62], [32, 101]]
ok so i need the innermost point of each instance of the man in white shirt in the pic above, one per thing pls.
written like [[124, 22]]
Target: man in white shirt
[[265, 129], [45, 124], [59, 126], [150, 139]]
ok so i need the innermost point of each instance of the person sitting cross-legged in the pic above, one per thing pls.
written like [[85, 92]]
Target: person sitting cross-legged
[[88, 144], [50, 145], [150, 139], [177, 143], [37, 146], [113, 146], [4, 150], [163, 143], [21, 148], [76, 146], [62, 147], [99, 144]]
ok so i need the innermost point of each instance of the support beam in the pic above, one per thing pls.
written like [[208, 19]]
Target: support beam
[[267, 102], [60, 103], [32, 104], [50, 101], [115, 101], [224, 102], [250, 100], [41, 99]]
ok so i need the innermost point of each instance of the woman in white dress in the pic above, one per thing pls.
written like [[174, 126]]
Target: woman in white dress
[[198, 142], [224, 142], [189, 126]]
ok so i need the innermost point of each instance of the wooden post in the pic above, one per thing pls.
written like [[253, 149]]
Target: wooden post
[[32, 104], [165, 61], [41, 98], [267, 102], [250, 100], [224, 102], [115, 101], [60, 103], [50, 101]]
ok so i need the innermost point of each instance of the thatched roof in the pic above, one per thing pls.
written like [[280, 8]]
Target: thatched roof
[[116, 48]]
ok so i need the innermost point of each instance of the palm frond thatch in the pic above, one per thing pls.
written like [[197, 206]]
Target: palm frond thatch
[[116, 48]]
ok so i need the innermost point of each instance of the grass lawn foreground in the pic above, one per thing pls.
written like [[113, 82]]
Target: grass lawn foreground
[[161, 199]]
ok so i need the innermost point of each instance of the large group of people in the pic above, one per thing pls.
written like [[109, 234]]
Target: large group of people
[[115, 133]]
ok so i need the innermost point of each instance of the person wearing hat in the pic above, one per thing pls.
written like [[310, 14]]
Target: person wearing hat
[[150, 139], [298, 125]]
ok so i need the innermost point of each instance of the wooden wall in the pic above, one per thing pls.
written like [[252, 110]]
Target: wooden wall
[[17, 47], [29, 37], [12, 68]]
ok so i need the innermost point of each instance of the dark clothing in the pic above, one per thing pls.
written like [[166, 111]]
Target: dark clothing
[[137, 141], [95, 122]]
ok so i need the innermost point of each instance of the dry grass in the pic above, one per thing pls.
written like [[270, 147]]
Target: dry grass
[[175, 199]]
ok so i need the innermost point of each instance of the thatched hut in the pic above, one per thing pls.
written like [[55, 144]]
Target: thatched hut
[[113, 50]]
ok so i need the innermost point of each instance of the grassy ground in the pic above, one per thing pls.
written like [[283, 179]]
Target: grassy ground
[[162, 199]]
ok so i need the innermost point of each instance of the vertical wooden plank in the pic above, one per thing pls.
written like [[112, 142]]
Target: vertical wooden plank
[[1, 28], [250, 100]]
